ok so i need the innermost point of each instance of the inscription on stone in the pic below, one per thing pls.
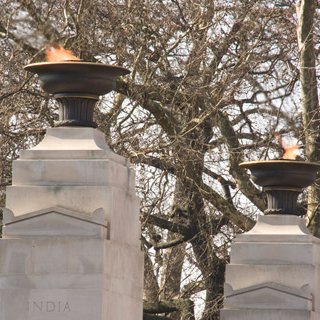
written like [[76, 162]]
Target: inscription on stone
[[49, 306]]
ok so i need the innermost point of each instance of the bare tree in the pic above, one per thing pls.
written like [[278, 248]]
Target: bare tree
[[211, 84], [309, 100]]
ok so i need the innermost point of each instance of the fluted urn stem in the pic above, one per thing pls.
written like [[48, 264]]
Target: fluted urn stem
[[282, 200], [282, 181], [76, 111]]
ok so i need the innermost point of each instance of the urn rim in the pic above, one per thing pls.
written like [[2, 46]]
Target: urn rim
[[286, 174], [36, 67]]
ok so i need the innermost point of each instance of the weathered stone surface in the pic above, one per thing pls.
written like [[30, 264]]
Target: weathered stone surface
[[71, 247], [273, 272], [273, 253], [268, 295], [297, 275], [258, 314], [278, 228], [100, 172], [43, 304], [70, 278], [55, 221], [72, 143], [121, 208]]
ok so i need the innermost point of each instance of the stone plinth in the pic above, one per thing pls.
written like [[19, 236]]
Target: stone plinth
[[273, 272], [70, 248]]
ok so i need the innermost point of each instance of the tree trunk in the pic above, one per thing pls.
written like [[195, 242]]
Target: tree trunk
[[309, 101], [175, 256]]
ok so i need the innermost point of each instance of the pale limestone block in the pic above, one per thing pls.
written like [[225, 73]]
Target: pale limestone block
[[279, 224], [66, 304], [55, 221], [123, 307], [278, 250], [278, 228], [51, 256], [124, 217], [75, 198], [57, 261], [97, 217], [15, 281], [52, 281], [72, 138], [294, 275], [128, 287], [68, 255], [71, 172], [268, 295], [121, 208], [72, 143], [14, 304], [277, 238], [124, 261], [257, 314], [66, 269], [45, 255], [316, 284], [74, 304], [15, 256], [272, 253], [72, 255]]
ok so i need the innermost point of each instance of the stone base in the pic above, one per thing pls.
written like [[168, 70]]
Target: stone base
[[71, 247], [69, 279], [259, 314], [273, 272]]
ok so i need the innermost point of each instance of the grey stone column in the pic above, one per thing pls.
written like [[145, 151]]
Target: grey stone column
[[70, 248], [273, 272]]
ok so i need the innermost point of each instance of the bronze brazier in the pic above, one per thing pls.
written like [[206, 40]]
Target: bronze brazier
[[283, 181], [76, 85]]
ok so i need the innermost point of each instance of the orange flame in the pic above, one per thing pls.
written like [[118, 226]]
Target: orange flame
[[290, 148], [291, 152], [58, 53]]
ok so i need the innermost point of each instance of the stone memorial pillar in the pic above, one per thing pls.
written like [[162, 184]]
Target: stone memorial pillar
[[70, 248], [274, 268]]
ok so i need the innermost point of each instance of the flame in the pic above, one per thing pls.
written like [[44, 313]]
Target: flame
[[290, 148], [291, 152], [59, 53]]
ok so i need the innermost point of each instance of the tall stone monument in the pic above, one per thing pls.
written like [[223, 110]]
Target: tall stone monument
[[70, 248], [274, 268]]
